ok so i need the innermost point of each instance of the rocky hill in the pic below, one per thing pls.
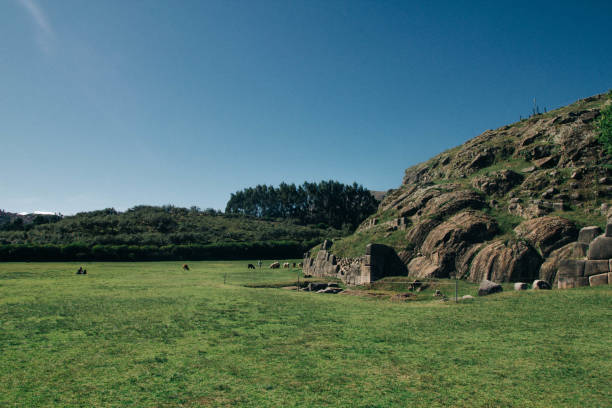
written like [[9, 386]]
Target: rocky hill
[[505, 206]]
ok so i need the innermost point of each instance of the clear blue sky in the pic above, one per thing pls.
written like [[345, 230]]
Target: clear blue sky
[[119, 103]]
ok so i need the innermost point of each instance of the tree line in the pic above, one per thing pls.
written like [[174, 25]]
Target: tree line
[[158, 226], [332, 203], [194, 252]]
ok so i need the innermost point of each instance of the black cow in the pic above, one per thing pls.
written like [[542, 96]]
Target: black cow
[[251, 266]]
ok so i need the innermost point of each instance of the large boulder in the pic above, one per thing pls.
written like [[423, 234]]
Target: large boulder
[[448, 240], [505, 262], [573, 250], [487, 288], [547, 233], [600, 248]]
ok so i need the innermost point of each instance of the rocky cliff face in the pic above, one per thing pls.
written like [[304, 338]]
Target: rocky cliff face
[[502, 205]]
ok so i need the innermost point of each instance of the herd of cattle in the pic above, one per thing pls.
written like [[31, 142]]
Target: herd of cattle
[[273, 265], [276, 265]]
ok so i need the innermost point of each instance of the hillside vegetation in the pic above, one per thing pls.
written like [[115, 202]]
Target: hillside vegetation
[[149, 225], [502, 202], [154, 233]]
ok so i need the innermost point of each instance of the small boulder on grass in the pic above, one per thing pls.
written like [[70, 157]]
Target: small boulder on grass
[[541, 285], [487, 288], [520, 286]]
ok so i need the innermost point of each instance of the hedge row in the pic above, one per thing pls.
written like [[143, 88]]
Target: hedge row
[[193, 252]]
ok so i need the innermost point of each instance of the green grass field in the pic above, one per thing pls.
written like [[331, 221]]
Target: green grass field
[[152, 335]]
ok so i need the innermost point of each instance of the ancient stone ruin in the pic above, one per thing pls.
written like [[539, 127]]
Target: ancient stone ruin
[[379, 261], [596, 268]]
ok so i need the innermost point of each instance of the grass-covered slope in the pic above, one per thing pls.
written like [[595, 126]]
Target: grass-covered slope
[[150, 334]]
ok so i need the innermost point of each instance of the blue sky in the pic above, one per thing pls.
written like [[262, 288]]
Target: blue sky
[[120, 103]]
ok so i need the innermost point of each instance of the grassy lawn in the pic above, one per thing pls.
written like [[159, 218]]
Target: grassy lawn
[[152, 335]]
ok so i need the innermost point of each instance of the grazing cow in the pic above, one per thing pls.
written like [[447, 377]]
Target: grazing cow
[[286, 265], [301, 265], [274, 265], [185, 267], [251, 266], [80, 271], [293, 265]]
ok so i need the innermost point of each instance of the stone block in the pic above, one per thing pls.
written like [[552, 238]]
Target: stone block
[[571, 268], [572, 282], [366, 274], [371, 260], [596, 267], [596, 280], [600, 248], [588, 234]]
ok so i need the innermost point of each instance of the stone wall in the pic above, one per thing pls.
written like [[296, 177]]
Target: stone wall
[[596, 269], [378, 262]]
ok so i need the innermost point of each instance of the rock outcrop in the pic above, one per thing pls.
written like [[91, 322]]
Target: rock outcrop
[[506, 262], [500, 206], [547, 233], [498, 183], [445, 243]]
